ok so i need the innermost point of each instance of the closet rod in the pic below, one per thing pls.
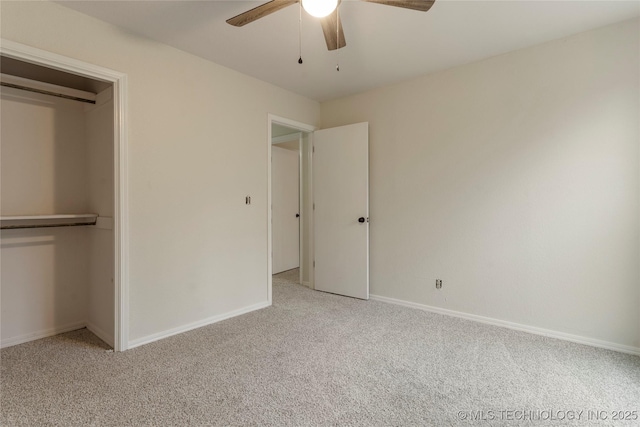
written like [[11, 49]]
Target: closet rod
[[41, 221], [46, 92], [17, 227]]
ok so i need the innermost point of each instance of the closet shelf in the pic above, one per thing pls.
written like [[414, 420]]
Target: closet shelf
[[39, 221]]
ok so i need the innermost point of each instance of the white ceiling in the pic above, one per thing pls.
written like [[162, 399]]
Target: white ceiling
[[384, 44]]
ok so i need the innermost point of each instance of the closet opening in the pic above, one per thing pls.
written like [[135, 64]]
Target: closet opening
[[58, 204]]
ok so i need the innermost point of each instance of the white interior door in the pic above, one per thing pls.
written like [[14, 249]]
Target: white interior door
[[341, 215], [285, 200]]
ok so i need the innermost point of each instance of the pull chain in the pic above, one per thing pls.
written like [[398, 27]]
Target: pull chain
[[338, 38], [300, 34]]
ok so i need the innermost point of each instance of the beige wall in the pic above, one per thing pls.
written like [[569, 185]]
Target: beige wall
[[516, 181], [197, 135]]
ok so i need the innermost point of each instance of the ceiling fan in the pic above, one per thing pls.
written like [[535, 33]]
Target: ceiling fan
[[326, 10]]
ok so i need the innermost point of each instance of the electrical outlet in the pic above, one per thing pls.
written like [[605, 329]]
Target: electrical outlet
[[438, 283]]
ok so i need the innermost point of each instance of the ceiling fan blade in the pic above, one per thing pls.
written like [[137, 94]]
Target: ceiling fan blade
[[332, 29], [421, 5], [259, 12]]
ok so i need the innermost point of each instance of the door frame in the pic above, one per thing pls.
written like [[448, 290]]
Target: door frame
[[47, 59], [302, 127]]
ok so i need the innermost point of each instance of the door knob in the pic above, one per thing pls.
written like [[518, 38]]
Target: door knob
[[361, 219]]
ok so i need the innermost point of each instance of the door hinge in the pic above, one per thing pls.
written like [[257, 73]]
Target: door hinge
[[314, 263], [314, 206], [313, 149]]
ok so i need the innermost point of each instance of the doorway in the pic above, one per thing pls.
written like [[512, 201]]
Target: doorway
[[286, 198], [290, 203], [335, 252]]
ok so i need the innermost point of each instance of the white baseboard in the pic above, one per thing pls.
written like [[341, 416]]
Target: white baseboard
[[104, 336], [515, 326], [307, 284], [21, 339], [180, 329]]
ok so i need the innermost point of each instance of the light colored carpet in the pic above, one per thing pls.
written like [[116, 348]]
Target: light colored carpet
[[317, 359], [289, 276]]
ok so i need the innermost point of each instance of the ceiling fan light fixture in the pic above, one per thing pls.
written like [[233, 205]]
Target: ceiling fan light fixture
[[319, 8]]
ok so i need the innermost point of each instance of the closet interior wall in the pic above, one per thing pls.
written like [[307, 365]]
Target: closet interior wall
[[99, 137], [56, 157]]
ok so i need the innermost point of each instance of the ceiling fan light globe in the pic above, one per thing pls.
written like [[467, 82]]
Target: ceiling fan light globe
[[319, 8]]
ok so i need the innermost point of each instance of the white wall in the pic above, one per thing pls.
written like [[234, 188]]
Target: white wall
[[99, 142], [307, 208], [516, 181], [43, 171], [43, 154], [196, 135]]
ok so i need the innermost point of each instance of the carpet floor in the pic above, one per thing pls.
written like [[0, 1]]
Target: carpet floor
[[316, 359]]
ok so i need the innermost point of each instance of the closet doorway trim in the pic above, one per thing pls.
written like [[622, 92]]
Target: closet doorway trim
[[25, 53]]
